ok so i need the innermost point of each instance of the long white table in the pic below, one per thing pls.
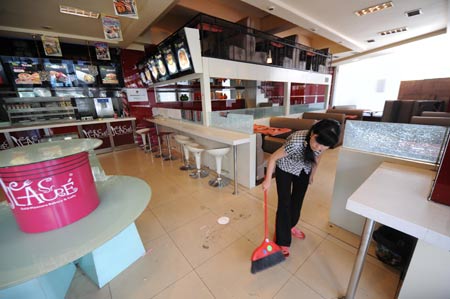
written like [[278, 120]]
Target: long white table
[[397, 196], [219, 135]]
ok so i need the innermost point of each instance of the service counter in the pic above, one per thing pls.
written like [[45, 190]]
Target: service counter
[[244, 147], [116, 133]]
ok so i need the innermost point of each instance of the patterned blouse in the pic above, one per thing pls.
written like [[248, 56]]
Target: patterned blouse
[[294, 161]]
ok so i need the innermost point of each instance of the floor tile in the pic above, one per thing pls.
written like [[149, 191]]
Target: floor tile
[[297, 287], [188, 287]]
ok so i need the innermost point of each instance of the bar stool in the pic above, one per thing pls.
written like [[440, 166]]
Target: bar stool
[[183, 140], [161, 136], [145, 135], [218, 154], [197, 150]]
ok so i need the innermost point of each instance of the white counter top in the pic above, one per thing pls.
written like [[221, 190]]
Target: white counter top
[[26, 256], [35, 126], [46, 151], [396, 195], [219, 135]]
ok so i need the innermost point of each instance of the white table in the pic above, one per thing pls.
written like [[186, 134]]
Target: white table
[[397, 196], [219, 135]]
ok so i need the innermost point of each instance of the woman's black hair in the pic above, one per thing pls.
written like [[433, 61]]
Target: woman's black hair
[[327, 131]]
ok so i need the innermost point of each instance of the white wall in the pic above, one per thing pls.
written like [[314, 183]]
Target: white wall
[[368, 83]]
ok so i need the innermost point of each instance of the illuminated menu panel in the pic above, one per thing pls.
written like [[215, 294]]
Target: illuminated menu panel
[[83, 75], [170, 60], [183, 56], [108, 74], [25, 73], [153, 69], [58, 74], [162, 71], [3, 79]]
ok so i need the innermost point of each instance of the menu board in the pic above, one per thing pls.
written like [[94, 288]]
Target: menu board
[[25, 73], [83, 75], [3, 79], [153, 69], [162, 71], [58, 74], [108, 74], [170, 60], [183, 56]]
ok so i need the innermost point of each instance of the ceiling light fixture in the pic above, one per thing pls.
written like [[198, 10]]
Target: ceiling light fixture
[[414, 12], [392, 31], [78, 12], [370, 40], [374, 8]]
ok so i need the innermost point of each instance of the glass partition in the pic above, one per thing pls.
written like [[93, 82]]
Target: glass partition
[[409, 141], [306, 107], [232, 121]]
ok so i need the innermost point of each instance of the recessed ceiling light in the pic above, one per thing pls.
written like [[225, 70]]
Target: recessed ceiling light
[[370, 40], [47, 27], [78, 12], [392, 31], [270, 8], [313, 29], [414, 12], [374, 8]]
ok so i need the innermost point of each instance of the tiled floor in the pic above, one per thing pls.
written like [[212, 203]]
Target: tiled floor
[[190, 255]]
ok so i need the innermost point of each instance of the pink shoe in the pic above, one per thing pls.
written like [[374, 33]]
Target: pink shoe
[[297, 233], [285, 250]]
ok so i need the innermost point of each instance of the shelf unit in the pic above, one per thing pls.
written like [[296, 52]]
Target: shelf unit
[[31, 109]]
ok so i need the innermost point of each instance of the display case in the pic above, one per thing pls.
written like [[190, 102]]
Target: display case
[[38, 109]]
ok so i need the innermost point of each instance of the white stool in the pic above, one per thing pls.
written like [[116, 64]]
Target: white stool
[[197, 150], [145, 135], [183, 140], [218, 154]]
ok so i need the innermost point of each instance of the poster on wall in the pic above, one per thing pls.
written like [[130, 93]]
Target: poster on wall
[[108, 74], [25, 73], [83, 74], [58, 74], [136, 94], [51, 46], [111, 28], [126, 8], [102, 51]]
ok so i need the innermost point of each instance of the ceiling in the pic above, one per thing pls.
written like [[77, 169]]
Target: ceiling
[[319, 23]]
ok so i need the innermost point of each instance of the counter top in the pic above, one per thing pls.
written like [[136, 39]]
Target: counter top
[[396, 195], [46, 125], [26, 256], [45, 151], [215, 134]]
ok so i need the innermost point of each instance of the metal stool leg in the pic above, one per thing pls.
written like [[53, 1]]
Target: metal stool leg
[[169, 151], [159, 155]]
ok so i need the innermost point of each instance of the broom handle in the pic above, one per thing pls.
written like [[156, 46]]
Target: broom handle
[[266, 230]]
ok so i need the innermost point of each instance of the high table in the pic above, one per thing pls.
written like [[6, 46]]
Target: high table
[[397, 196], [219, 135], [104, 243]]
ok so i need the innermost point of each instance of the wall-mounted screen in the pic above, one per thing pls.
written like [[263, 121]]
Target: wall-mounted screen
[[83, 75], [3, 79], [183, 56], [58, 74], [25, 73], [170, 60], [108, 74], [153, 69], [162, 71]]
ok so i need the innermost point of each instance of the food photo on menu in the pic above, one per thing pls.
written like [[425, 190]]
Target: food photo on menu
[[83, 75], [153, 69], [108, 75], [170, 61], [58, 74], [183, 56], [3, 79], [25, 73], [161, 67]]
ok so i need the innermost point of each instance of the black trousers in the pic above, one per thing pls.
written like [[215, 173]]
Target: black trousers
[[291, 191]]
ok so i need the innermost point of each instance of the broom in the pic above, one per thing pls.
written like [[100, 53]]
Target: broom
[[268, 253]]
